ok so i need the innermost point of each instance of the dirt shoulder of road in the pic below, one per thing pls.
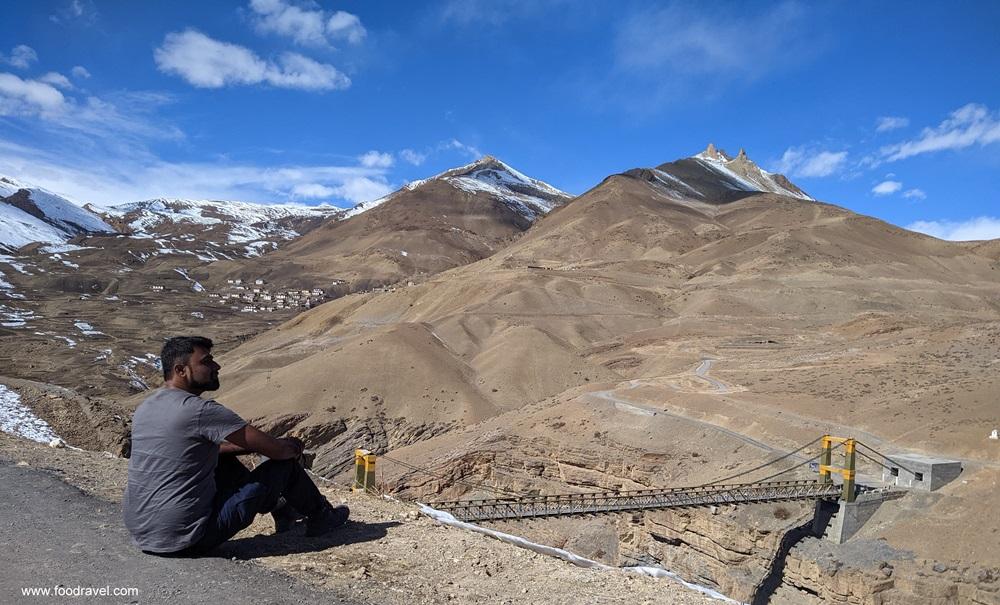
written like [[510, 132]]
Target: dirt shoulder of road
[[388, 553]]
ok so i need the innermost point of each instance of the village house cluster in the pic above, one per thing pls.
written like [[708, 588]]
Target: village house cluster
[[257, 298]]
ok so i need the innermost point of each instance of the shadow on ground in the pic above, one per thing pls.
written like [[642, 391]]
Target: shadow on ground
[[294, 541]]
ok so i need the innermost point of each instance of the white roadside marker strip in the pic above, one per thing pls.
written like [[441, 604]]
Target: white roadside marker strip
[[448, 519]]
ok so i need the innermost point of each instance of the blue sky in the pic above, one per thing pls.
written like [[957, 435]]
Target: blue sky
[[890, 109]]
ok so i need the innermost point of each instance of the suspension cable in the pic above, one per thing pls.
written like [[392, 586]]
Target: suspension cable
[[864, 455], [792, 468], [757, 468], [884, 457]]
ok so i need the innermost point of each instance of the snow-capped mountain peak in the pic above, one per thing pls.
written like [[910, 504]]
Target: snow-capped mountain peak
[[32, 214], [711, 154], [224, 222], [144, 217], [747, 175], [531, 198]]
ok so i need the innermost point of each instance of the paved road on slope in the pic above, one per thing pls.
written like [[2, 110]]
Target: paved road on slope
[[702, 372], [638, 408], [54, 534]]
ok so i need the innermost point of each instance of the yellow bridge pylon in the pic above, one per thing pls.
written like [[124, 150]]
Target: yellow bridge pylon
[[364, 471], [847, 471]]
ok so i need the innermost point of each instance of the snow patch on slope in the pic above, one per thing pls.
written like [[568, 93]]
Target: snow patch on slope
[[12, 317], [674, 185], [255, 226], [528, 197], [197, 287], [60, 218], [87, 329], [18, 419], [249, 221], [18, 228]]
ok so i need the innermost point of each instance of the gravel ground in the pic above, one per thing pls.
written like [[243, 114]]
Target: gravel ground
[[58, 536], [387, 554]]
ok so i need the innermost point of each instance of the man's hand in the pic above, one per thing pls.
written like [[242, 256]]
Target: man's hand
[[296, 443], [256, 441]]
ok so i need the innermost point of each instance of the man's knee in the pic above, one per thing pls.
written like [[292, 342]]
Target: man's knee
[[276, 466], [230, 468], [275, 473]]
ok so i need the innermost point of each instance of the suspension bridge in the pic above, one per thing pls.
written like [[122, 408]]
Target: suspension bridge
[[719, 492]]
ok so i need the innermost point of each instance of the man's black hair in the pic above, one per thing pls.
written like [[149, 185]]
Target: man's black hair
[[179, 349]]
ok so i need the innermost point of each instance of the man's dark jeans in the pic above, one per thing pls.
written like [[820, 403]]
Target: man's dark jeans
[[242, 494]]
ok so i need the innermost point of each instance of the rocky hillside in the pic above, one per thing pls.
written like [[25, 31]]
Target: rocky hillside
[[452, 219]]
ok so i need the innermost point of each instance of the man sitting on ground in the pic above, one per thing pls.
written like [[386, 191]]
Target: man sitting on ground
[[182, 498]]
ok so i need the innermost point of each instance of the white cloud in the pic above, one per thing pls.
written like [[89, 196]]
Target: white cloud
[[133, 174], [417, 158], [208, 63], [413, 157], [803, 162], [979, 228], [375, 159], [75, 11], [80, 72], [119, 120], [494, 12], [345, 26], [692, 39], [355, 189], [28, 97], [56, 79], [363, 189], [313, 191], [21, 57], [886, 123], [887, 187], [297, 71], [915, 194], [973, 124], [127, 118], [456, 145], [306, 26]]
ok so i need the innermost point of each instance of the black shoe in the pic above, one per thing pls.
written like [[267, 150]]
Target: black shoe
[[328, 519], [285, 519]]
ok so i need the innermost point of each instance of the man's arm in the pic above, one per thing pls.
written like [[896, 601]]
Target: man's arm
[[254, 440], [231, 449]]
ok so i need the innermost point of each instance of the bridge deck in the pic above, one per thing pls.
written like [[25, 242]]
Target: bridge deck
[[652, 499]]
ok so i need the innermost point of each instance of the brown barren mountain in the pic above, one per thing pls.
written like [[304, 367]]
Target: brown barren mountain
[[656, 332], [457, 217], [99, 309]]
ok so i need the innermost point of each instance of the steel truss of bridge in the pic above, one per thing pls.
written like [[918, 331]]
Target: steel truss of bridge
[[650, 499]]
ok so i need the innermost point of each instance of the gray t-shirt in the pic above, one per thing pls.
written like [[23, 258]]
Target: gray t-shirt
[[171, 475]]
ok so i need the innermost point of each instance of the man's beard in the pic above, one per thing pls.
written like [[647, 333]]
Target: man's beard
[[212, 384]]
